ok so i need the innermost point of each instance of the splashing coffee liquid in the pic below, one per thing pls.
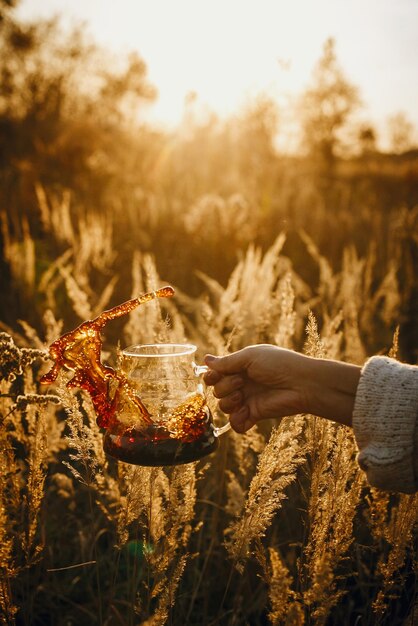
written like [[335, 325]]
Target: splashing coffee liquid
[[80, 350], [186, 436]]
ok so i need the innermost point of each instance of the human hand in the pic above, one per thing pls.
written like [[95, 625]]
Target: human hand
[[258, 382], [265, 381]]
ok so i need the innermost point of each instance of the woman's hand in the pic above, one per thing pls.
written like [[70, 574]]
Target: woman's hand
[[265, 381]]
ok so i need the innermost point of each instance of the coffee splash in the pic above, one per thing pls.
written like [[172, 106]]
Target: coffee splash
[[79, 350]]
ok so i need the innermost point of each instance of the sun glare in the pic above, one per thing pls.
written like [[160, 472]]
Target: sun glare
[[226, 52]]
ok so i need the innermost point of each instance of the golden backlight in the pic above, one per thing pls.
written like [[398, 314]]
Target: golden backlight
[[227, 51]]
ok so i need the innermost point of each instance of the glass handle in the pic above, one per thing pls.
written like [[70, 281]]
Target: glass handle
[[199, 370], [220, 431]]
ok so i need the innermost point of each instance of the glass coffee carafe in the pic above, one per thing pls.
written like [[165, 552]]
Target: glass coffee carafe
[[174, 424]]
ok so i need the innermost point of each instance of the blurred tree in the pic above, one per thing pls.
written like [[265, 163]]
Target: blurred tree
[[326, 107], [367, 138], [256, 152], [125, 89], [6, 6], [401, 133], [62, 111], [258, 127]]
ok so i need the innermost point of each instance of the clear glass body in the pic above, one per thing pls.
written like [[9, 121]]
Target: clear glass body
[[164, 419]]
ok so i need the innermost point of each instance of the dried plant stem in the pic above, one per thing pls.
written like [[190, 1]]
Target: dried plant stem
[[399, 535], [97, 565]]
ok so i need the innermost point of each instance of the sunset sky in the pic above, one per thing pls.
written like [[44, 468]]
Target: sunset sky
[[227, 51]]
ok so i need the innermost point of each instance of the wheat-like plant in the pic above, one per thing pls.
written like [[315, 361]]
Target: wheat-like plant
[[276, 470], [335, 488], [288, 503]]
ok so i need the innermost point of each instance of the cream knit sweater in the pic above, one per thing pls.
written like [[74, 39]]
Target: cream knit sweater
[[385, 423]]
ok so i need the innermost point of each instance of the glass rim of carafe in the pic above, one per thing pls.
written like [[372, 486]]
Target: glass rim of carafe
[[144, 350]]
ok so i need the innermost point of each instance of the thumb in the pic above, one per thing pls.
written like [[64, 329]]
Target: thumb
[[230, 364]]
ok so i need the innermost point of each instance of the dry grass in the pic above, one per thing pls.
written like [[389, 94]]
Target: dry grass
[[278, 525]]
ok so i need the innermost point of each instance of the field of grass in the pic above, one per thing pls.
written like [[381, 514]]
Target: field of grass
[[278, 526]]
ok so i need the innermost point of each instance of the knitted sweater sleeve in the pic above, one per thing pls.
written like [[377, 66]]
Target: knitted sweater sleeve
[[385, 423]]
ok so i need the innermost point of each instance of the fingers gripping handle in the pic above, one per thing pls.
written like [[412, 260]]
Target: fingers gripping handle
[[199, 370]]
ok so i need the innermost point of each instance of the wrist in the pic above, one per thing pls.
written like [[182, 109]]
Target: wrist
[[331, 389]]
